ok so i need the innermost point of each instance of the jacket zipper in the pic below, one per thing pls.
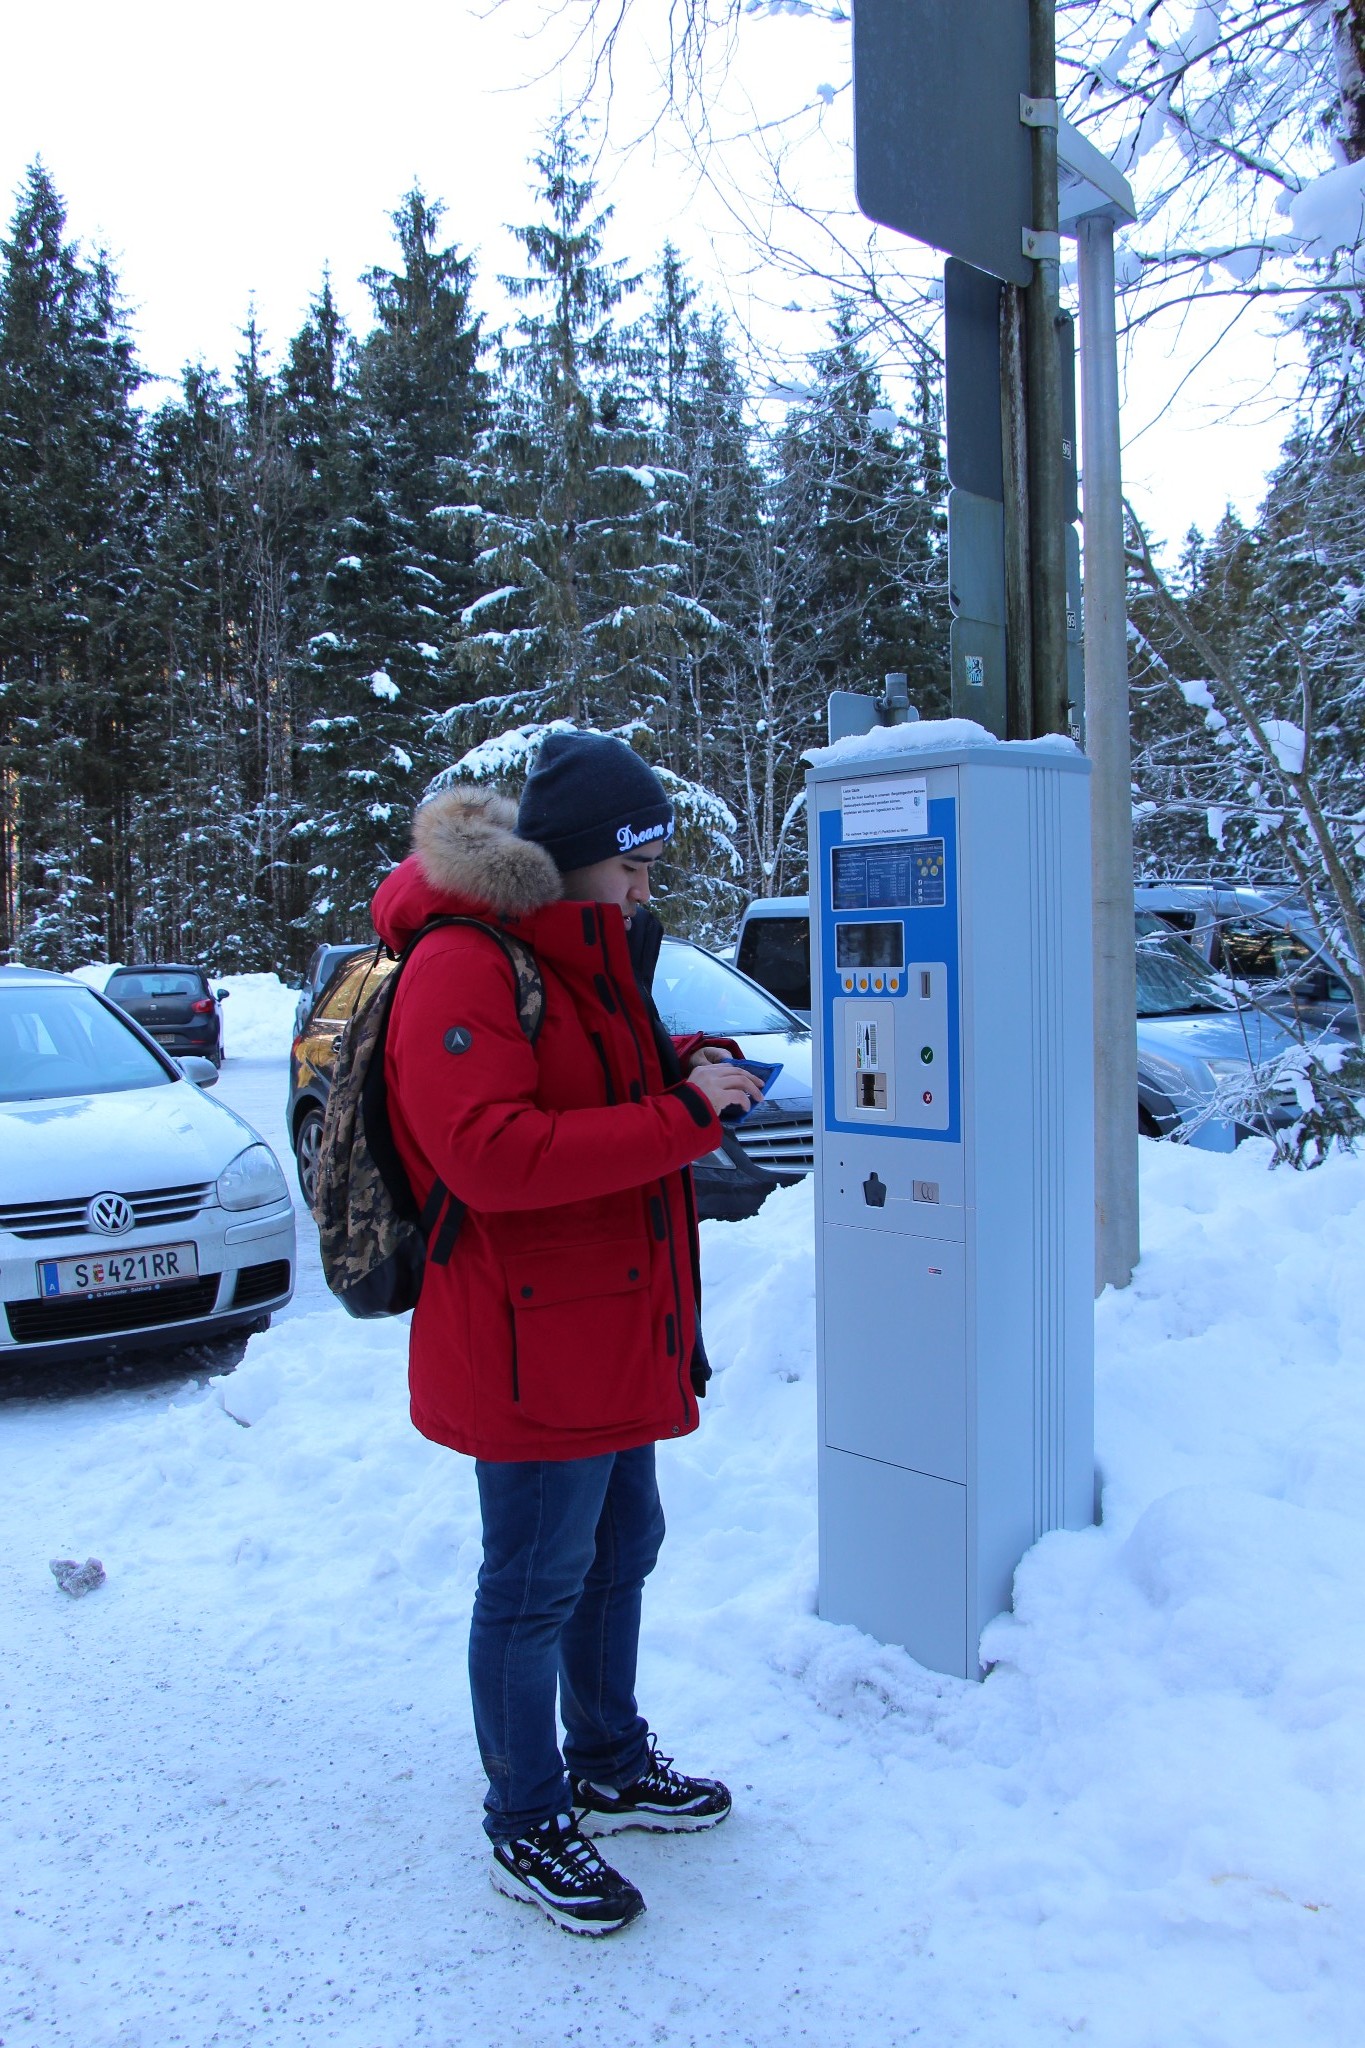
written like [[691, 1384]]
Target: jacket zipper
[[663, 1189], [600, 1049]]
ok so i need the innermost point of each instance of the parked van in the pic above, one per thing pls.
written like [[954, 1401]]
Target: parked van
[[773, 949]]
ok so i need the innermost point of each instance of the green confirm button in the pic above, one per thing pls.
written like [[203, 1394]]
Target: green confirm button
[[926, 1053]]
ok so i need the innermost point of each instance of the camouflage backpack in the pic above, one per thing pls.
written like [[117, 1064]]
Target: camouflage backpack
[[374, 1239]]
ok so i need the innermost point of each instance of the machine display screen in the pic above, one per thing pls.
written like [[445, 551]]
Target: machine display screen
[[890, 874], [869, 945]]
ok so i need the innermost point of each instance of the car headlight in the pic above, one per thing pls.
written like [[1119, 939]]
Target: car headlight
[[1228, 1069], [252, 1179]]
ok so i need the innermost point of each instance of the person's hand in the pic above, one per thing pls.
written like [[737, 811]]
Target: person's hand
[[725, 1086], [705, 1055]]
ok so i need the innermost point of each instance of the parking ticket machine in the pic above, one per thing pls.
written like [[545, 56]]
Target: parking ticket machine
[[951, 1003]]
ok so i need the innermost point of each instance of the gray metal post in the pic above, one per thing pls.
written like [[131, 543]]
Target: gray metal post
[[1046, 481], [1107, 743]]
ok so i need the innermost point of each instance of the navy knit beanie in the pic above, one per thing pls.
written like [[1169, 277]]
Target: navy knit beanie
[[589, 797]]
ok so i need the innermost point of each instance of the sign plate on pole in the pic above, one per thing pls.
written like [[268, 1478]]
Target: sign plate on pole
[[940, 151]]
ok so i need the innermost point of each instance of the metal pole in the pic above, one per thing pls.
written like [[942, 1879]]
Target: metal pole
[[1014, 448], [1107, 743], [1047, 510]]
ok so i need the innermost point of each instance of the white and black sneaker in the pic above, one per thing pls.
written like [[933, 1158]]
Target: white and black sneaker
[[662, 1801], [554, 1868]]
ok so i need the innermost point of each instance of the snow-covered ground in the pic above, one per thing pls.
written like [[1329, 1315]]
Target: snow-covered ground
[[241, 1796]]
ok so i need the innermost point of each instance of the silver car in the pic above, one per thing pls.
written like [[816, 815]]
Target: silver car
[[133, 1211], [1201, 1053], [1263, 939], [1195, 1045]]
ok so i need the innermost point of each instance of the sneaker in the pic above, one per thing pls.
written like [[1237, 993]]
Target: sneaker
[[661, 1800], [554, 1868]]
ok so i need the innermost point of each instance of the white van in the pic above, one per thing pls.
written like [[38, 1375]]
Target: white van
[[773, 949]]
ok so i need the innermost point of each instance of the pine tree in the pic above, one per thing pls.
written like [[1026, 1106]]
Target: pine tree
[[586, 608], [71, 555], [397, 574]]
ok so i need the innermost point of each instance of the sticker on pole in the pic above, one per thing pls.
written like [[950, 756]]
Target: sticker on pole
[[897, 807]]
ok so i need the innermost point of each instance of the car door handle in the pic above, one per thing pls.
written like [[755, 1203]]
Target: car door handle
[[336, 1043]]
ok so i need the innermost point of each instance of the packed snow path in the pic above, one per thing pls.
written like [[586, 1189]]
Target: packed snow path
[[240, 1792]]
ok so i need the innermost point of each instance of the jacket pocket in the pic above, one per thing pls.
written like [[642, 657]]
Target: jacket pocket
[[582, 1334]]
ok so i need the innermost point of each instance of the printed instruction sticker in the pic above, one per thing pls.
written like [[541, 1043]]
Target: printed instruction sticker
[[896, 807]]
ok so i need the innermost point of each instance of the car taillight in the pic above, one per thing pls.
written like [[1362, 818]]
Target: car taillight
[[203, 1007]]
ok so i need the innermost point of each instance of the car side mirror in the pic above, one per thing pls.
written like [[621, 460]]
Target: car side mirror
[[222, 994], [203, 1073]]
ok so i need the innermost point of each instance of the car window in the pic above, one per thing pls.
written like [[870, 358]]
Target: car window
[[1255, 951], [63, 1041], [342, 993], [1171, 978], [1151, 926], [696, 992], [136, 988], [776, 952]]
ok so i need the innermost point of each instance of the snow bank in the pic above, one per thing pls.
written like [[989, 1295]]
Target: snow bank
[[1142, 1829], [258, 1017]]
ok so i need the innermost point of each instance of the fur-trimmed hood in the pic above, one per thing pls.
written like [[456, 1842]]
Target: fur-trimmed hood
[[466, 857]]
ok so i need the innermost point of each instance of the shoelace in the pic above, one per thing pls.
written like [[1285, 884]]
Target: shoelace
[[659, 1774], [572, 1857]]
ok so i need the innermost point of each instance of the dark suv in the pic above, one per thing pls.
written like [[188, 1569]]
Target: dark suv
[[176, 1005], [772, 1147]]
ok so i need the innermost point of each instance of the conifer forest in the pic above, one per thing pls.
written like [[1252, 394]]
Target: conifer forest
[[246, 626], [244, 629]]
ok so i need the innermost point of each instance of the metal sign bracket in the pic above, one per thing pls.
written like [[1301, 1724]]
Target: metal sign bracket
[[1037, 113], [1042, 246]]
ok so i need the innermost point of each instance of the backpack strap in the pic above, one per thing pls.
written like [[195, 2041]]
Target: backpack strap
[[530, 989]]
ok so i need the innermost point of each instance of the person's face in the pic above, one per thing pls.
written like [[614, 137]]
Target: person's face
[[622, 880]]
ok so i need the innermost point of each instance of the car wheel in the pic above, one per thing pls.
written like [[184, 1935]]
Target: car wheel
[[1148, 1127], [307, 1147]]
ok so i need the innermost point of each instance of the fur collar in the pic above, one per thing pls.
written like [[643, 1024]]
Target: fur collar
[[466, 844]]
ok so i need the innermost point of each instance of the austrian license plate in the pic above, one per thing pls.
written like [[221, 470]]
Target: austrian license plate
[[109, 1272]]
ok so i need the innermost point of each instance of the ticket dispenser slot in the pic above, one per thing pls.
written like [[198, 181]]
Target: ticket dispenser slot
[[870, 1040]]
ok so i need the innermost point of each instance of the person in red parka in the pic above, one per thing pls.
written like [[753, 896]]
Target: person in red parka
[[560, 1341]]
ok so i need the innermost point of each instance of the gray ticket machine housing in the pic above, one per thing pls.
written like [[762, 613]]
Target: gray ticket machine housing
[[954, 1121]]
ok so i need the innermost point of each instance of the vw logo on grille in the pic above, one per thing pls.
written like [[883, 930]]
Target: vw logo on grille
[[111, 1214]]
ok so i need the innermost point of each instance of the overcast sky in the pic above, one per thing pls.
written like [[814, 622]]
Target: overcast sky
[[226, 154]]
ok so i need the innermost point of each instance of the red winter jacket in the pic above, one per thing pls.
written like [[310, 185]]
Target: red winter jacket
[[564, 1324]]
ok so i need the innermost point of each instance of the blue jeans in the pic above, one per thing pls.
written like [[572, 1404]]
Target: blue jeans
[[567, 1548]]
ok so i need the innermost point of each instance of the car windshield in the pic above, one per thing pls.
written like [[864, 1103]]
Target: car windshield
[[696, 992], [1172, 980], [145, 987], [63, 1041]]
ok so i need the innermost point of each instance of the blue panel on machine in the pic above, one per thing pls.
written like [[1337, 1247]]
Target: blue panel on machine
[[890, 937], [890, 875]]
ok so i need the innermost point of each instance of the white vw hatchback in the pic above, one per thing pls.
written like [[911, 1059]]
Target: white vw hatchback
[[133, 1211]]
